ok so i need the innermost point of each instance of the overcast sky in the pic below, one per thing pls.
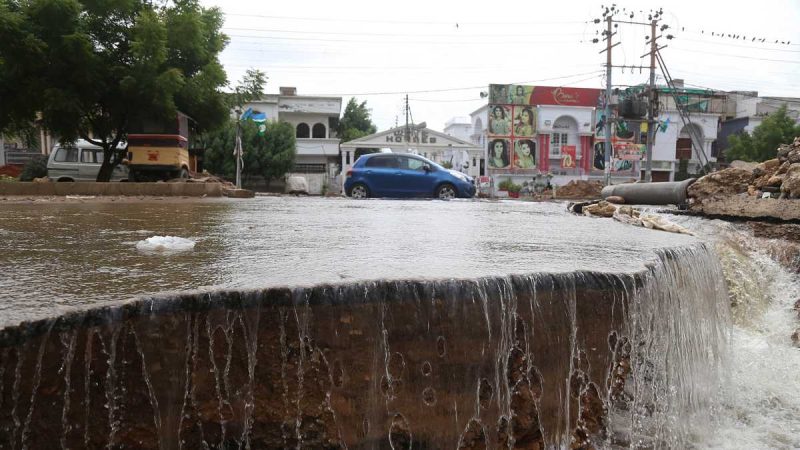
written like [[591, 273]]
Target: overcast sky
[[444, 53]]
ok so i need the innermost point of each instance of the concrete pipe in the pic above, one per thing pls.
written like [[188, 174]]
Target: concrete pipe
[[662, 193]]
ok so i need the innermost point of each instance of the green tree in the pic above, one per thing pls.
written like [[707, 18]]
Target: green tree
[[355, 121], [776, 129], [269, 156], [92, 68], [250, 87]]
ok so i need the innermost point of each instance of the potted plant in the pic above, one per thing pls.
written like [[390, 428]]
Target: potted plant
[[513, 190]]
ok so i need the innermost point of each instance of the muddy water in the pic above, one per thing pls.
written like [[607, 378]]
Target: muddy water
[[55, 256]]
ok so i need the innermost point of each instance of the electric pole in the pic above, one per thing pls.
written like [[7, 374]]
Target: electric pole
[[607, 119], [651, 106], [408, 130]]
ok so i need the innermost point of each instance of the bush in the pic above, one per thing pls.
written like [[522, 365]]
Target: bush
[[35, 168]]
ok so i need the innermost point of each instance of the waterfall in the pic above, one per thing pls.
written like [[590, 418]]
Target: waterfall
[[546, 360]]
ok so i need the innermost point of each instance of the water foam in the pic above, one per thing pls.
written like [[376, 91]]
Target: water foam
[[165, 244]]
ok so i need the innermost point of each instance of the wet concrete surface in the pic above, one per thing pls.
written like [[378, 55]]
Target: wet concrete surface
[[57, 256]]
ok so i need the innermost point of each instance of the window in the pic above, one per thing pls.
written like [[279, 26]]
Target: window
[[302, 131], [92, 156], [556, 141], [66, 154], [319, 131], [474, 162], [309, 168], [347, 158], [411, 163], [383, 161]]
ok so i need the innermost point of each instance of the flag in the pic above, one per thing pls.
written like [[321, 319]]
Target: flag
[[246, 115], [261, 121], [662, 126]]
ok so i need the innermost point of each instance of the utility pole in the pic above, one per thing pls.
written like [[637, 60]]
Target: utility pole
[[408, 130], [237, 152], [651, 106], [607, 122]]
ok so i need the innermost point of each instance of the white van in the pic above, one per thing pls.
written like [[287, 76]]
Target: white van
[[80, 162]]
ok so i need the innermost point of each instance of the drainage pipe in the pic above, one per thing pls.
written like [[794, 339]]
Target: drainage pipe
[[663, 193]]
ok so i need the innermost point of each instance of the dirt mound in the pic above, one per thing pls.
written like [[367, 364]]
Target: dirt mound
[[579, 189], [768, 189]]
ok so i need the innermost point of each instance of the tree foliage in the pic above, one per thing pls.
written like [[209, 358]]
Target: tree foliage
[[270, 155], [776, 129], [355, 122], [250, 88], [89, 69]]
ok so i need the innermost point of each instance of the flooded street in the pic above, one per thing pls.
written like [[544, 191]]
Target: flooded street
[[59, 255], [71, 255]]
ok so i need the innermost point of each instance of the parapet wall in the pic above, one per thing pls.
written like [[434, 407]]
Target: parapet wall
[[528, 362], [112, 189]]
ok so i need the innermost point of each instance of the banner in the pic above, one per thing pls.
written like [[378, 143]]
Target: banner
[[628, 151], [568, 157], [566, 96]]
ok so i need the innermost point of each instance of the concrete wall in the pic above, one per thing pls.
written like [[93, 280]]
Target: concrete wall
[[103, 189]]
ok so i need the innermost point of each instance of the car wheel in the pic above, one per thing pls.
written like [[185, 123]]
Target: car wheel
[[359, 191], [446, 192]]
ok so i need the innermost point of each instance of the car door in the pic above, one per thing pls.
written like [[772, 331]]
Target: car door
[[414, 180], [380, 173], [89, 166]]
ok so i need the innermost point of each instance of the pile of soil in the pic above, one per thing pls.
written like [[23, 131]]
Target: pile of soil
[[768, 189], [579, 189]]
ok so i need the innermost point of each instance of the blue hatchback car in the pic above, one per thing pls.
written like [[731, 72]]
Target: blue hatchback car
[[404, 175]]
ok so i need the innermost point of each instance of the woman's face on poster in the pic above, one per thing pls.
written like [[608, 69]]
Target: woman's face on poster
[[498, 149]]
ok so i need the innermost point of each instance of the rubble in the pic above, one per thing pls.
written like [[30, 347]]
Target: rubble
[[768, 189], [626, 214]]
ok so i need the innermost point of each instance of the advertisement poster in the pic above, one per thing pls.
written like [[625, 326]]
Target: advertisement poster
[[500, 120], [524, 121], [629, 151], [568, 155], [511, 128], [524, 154], [499, 154], [566, 96], [511, 94]]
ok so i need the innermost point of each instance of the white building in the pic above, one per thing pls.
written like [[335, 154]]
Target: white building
[[459, 127], [313, 119]]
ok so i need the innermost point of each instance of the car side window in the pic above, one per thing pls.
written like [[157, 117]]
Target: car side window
[[382, 161], [66, 154], [415, 164]]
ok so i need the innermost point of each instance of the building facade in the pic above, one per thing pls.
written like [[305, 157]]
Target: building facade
[[313, 119]]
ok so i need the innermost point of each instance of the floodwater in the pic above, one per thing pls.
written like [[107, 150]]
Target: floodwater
[[55, 256]]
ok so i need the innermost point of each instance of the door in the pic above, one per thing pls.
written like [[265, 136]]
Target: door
[[413, 180], [381, 175], [89, 167]]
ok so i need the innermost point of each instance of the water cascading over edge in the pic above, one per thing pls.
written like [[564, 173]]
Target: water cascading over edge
[[581, 360]]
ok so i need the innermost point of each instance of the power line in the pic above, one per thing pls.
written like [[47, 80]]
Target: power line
[[726, 44], [736, 56], [404, 22], [480, 99], [403, 34], [406, 41], [448, 89]]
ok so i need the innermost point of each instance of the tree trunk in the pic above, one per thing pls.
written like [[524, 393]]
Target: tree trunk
[[109, 160]]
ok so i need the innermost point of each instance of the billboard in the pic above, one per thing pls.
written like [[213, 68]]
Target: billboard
[[626, 151], [512, 128], [566, 96]]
